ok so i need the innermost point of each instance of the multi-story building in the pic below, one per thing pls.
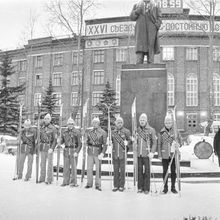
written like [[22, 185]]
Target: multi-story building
[[108, 44]]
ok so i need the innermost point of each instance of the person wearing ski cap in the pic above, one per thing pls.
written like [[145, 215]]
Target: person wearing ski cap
[[28, 139], [121, 139], [72, 146], [146, 147], [96, 141], [48, 142], [166, 148]]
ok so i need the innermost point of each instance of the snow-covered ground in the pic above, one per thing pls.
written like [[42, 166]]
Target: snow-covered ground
[[27, 200]]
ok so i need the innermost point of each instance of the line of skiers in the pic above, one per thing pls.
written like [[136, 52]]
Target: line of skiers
[[97, 142]]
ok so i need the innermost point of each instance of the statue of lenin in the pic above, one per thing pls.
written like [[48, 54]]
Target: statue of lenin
[[147, 15]]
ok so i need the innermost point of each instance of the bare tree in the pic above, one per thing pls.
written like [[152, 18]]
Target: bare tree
[[28, 33], [30, 27], [208, 9], [70, 15]]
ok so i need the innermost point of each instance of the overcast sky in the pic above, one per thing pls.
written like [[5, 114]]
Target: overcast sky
[[14, 15]]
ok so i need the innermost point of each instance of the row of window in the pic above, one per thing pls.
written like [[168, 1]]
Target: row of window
[[97, 79], [57, 61], [168, 53], [74, 98], [192, 90]]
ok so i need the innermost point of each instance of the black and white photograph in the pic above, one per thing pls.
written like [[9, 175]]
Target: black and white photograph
[[110, 109]]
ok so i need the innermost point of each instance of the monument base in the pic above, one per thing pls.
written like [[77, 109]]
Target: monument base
[[148, 83]]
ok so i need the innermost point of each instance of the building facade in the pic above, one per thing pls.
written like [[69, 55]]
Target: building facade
[[108, 44]]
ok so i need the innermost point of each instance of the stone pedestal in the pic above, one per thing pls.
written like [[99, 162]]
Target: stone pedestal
[[148, 83]]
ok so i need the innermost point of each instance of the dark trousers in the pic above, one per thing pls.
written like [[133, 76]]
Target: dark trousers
[[91, 160], [144, 173], [219, 160], [70, 175], [165, 163], [46, 166], [29, 165], [119, 172]]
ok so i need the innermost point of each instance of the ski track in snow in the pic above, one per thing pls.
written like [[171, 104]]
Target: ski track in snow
[[27, 200]]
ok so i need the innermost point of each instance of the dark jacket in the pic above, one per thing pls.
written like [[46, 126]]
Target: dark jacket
[[48, 137], [72, 140], [118, 138], [96, 141], [28, 138], [216, 143], [146, 28], [165, 140], [146, 141]]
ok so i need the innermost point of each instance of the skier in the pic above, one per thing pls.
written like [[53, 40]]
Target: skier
[[47, 144], [146, 147], [96, 141], [71, 139], [121, 139], [166, 149], [28, 139]]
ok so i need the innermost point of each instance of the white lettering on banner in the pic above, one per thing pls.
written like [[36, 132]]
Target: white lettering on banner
[[185, 26], [128, 27], [110, 28]]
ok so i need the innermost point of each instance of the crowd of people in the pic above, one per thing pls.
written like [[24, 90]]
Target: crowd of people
[[166, 144]]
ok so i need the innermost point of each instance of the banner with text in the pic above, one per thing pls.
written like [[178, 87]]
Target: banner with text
[[128, 27]]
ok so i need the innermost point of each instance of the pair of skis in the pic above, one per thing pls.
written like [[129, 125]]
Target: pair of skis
[[109, 138], [177, 152], [134, 135], [37, 142], [84, 156], [18, 154], [84, 123], [58, 146]]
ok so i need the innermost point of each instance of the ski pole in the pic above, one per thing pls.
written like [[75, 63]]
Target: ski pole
[[126, 173], [177, 162], [83, 160], [167, 173]]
